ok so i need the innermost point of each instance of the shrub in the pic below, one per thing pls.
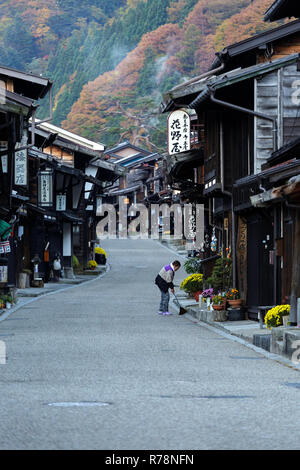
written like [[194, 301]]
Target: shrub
[[273, 317], [221, 278], [218, 300], [233, 294], [75, 262], [100, 251], [92, 264], [193, 265], [192, 283]]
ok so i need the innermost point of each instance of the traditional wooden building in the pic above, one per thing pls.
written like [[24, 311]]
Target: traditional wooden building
[[145, 181], [70, 175], [282, 9], [19, 93], [248, 103], [142, 177]]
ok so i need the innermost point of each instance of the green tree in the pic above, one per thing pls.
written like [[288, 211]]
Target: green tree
[[221, 278]]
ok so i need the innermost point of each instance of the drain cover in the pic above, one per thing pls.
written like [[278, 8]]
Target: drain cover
[[68, 404]]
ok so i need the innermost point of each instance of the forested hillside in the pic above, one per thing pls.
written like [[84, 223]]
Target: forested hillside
[[110, 60], [123, 103]]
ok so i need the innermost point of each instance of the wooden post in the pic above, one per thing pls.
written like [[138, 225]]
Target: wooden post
[[295, 289]]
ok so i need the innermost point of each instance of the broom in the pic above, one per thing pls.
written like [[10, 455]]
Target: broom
[[182, 310]]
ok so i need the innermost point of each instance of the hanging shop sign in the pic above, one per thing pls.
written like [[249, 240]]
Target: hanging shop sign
[[45, 185], [5, 247], [4, 158], [4, 164], [3, 274], [179, 132], [61, 202], [21, 164]]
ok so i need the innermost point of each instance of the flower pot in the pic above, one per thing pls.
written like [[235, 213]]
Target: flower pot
[[235, 314], [196, 295], [285, 320], [100, 258], [219, 307], [235, 303]]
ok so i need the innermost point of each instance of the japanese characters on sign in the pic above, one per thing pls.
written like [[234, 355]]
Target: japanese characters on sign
[[4, 161], [5, 247], [179, 132], [61, 202], [3, 273], [21, 164], [45, 188]]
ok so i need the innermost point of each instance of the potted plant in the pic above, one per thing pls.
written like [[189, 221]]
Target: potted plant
[[100, 255], [207, 293], [276, 316], [9, 301], [2, 301], [221, 277], [193, 265], [193, 285], [219, 302], [92, 265], [76, 264], [234, 298]]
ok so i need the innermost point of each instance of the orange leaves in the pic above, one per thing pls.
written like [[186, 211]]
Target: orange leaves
[[100, 96], [174, 10], [243, 25], [187, 50]]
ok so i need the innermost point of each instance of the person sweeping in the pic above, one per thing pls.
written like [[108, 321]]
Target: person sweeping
[[164, 281]]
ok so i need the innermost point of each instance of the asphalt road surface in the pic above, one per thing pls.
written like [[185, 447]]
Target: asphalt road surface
[[95, 367]]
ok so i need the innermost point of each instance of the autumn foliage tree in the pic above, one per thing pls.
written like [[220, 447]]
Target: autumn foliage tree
[[110, 61]]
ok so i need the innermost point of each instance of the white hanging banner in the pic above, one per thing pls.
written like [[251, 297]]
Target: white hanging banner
[[179, 132], [45, 188], [21, 164], [4, 161], [3, 273], [4, 164], [61, 202]]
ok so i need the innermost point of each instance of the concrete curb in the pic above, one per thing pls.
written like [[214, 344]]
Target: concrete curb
[[274, 357], [7, 313], [168, 247]]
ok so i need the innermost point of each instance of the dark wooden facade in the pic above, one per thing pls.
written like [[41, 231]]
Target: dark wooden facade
[[49, 182], [19, 92], [79, 176], [249, 114]]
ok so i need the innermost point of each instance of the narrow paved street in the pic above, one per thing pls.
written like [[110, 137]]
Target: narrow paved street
[[95, 367]]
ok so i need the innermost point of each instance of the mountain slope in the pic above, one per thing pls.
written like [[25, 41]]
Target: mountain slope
[[123, 103], [110, 60]]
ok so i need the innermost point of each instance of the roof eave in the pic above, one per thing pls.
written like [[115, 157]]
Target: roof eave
[[280, 9]]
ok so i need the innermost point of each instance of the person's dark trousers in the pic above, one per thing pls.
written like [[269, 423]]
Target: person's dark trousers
[[164, 301]]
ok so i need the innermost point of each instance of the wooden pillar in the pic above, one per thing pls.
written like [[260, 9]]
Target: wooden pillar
[[295, 288]]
